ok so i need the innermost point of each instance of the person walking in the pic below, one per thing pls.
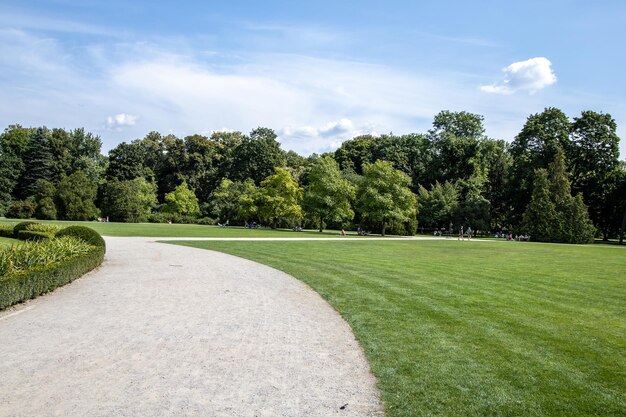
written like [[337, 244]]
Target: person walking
[[461, 233], [469, 233]]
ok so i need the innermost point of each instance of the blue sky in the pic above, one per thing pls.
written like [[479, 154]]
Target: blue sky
[[317, 72]]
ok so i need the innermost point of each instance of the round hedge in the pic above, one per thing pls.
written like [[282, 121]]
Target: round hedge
[[21, 226], [85, 233]]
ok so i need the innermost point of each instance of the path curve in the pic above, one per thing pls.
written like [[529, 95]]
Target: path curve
[[164, 330]]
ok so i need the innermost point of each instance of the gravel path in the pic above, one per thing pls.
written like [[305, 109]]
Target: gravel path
[[164, 330]]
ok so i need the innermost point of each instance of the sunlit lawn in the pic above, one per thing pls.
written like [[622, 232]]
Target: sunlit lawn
[[6, 241], [474, 328], [186, 230]]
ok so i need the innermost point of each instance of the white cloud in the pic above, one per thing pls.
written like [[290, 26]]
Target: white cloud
[[120, 121], [309, 139], [531, 75]]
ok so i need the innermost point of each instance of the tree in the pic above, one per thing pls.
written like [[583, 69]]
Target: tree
[[354, 153], [45, 193], [126, 162], [37, 162], [594, 164], [385, 196], [182, 201], [540, 219], [247, 202], [438, 206], [129, 201], [76, 197], [257, 156], [328, 194], [553, 214], [535, 147], [279, 199], [13, 144]]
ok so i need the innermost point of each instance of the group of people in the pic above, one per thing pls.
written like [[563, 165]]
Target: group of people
[[469, 233]]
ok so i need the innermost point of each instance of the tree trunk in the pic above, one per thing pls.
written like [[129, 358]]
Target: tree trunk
[[383, 233], [621, 233], [321, 225]]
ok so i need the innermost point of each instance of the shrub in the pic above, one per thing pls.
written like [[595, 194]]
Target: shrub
[[21, 226], [6, 230], [84, 233], [21, 209], [34, 268], [44, 228], [33, 235]]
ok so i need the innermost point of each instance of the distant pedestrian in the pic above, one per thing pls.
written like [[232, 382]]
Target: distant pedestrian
[[461, 233], [469, 233]]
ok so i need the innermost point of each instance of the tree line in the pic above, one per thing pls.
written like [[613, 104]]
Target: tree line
[[558, 180]]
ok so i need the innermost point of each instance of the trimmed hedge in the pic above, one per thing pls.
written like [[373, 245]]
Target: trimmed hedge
[[24, 285], [6, 230], [20, 286], [21, 226], [85, 233], [33, 235]]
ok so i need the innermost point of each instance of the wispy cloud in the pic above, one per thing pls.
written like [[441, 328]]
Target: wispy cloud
[[531, 75], [121, 120]]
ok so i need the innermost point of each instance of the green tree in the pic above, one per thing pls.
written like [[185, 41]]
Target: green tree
[[248, 201], [76, 196], [129, 201], [127, 162], [535, 147], [257, 156], [37, 162], [354, 153], [553, 214], [385, 196], [45, 193], [13, 144], [328, 195], [233, 201], [182, 201], [540, 219], [279, 199], [594, 164], [438, 206]]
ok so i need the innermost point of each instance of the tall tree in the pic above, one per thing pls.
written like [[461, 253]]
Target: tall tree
[[594, 163], [127, 162], [279, 199], [45, 193], [182, 201], [13, 145], [535, 147], [76, 197], [129, 201], [328, 195], [354, 153], [385, 195], [257, 156], [553, 214], [438, 206], [38, 162]]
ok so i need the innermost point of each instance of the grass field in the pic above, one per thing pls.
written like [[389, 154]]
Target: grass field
[[474, 328], [7, 241], [184, 230]]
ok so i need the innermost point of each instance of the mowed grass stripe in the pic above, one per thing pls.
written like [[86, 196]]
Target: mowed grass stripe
[[474, 328]]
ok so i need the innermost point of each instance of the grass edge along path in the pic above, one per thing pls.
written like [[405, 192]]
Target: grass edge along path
[[456, 328], [165, 230]]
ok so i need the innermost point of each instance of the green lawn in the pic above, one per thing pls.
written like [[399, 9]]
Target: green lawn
[[8, 241], [474, 329], [184, 230]]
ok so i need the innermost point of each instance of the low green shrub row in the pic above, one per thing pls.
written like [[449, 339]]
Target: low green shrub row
[[51, 229], [46, 261], [32, 235], [24, 285], [21, 226], [6, 230]]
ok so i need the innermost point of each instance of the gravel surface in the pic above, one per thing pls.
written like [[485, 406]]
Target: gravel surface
[[163, 330]]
